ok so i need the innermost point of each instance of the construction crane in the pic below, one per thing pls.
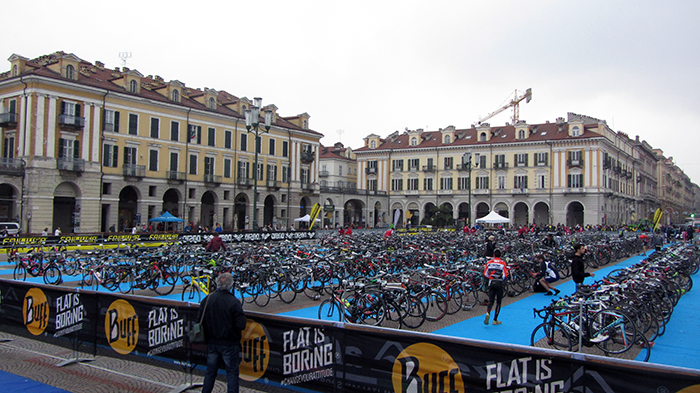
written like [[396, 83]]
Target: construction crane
[[514, 103]]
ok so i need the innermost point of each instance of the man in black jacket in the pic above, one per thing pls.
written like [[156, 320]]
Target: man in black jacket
[[223, 321], [578, 267]]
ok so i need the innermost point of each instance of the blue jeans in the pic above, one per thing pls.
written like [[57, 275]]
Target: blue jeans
[[231, 356]]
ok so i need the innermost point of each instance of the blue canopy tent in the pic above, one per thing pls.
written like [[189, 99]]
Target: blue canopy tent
[[166, 218]]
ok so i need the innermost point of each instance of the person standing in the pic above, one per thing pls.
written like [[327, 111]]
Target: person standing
[[57, 232], [495, 272], [490, 246], [578, 267], [224, 320]]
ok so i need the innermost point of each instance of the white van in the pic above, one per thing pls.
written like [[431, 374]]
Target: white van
[[11, 227]]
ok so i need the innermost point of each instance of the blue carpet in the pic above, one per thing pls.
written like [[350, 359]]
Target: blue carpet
[[17, 384]]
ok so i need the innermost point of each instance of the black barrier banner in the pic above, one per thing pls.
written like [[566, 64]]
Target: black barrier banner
[[328, 357], [188, 238]]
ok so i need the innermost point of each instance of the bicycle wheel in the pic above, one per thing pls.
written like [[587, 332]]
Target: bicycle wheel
[[615, 329], [285, 290], [164, 283], [470, 298], [546, 334], [330, 311], [412, 311], [454, 300], [392, 316], [20, 273], [262, 293], [370, 308], [435, 306], [52, 275], [88, 279], [190, 293]]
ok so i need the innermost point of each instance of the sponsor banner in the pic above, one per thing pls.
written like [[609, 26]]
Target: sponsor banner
[[323, 356], [191, 238]]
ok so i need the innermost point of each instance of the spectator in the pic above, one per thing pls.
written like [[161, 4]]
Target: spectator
[[215, 244], [578, 267], [490, 246], [57, 232], [45, 232], [218, 228], [224, 320]]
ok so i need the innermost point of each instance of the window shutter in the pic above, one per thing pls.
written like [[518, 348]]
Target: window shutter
[[515, 159], [526, 159], [63, 108], [77, 110], [76, 149], [105, 155], [546, 159], [115, 150], [199, 135], [61, 143], [116, 121], [525, 180], [126, 154]]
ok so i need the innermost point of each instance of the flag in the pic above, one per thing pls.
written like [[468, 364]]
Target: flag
[[314, 213]]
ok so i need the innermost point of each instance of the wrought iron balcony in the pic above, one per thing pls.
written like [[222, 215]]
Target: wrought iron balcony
[[11, 166], [175, 175], [274, 184], [134, 170], [245, 181], [500, 165], [70, 164], [212, 179], [371, 171], [8, 120], [520, 191], [72, 122], [307, 186], [429, 168], [307, 156]]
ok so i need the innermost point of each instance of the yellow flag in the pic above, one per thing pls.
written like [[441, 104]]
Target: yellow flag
[[657, 218], [314, 213]]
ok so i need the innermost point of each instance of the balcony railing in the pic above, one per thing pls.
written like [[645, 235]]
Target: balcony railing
[[134, 170], [448, 167], [445, 192], [8, 120], [371, 171], [307, 186], [519, 191], [481, 191], [575, 190], [274, 184], [429, 168], [11, 166], [500, 165], [541, 163], [175, 175], [323, 173], [245, 181], [70, 164], [307, 157], [70, 121], [574, 162], [412, 168], [109, 127], [212, 179]]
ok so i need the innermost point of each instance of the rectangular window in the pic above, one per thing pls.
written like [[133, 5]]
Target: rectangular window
[[195, 134], [130, 155], [244, 142], [449, 161], [193, 164], [412, 184], [227, 168], [480, 160], [372, 184], [285, 149], [500, 161], [482, 183], [259, 171], [428, 184], [175, 131], [575, 181], [208, 166], [396, 184], [542, 159], [8, 147], [271, 147], [413, 164], [243, 170], [271, 172], [133, 124], [153, 160], [446, 183], [521, 159], [228, 139], [340, 170], [111, 120], [398, 165], [520, 182], [304, 176], [541, 182], [211, 136], [155, 127], [429, 163], [501, 182], [464, 183], [110, 155], [285, 174]]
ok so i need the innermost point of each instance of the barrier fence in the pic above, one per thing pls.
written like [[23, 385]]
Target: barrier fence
[[322, 356]]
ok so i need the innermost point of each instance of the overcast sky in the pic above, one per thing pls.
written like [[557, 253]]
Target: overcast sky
[[379, 66]]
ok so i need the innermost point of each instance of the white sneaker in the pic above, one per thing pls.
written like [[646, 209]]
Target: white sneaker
[[599, 338]]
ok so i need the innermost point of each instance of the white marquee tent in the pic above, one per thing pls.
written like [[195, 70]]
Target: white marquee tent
[[493, 218]]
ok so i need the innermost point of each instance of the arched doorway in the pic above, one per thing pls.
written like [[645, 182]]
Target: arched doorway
[[429, 211], [482, 210], [240, 213], [304, 209], [352, 212], [520, 212], [463, 212], [171, 202], [66, 210], [8, 194], [412, 215], [574, 214], [541, 213], [207, 216], [502, 209], [269, 210], [396, 208]]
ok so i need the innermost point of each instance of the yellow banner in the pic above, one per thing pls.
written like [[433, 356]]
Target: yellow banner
[[657, 218], [314, 213]]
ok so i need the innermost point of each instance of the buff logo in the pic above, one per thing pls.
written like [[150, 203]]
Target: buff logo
[[122, 327], [35, 311], [255, 348], [426, 368]]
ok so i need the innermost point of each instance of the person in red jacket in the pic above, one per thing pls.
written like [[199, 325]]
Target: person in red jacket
[[215, 244], [495, 271]]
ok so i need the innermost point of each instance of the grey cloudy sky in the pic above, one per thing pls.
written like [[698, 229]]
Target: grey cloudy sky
[[380, 66]]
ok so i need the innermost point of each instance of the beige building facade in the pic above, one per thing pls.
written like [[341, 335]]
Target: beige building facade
[[86, 148]]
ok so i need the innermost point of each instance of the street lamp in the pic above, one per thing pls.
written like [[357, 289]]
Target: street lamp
[[252, 124], [467, 163]]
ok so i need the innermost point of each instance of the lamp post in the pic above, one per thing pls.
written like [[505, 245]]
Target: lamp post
[[467, 163], [252, 124]]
